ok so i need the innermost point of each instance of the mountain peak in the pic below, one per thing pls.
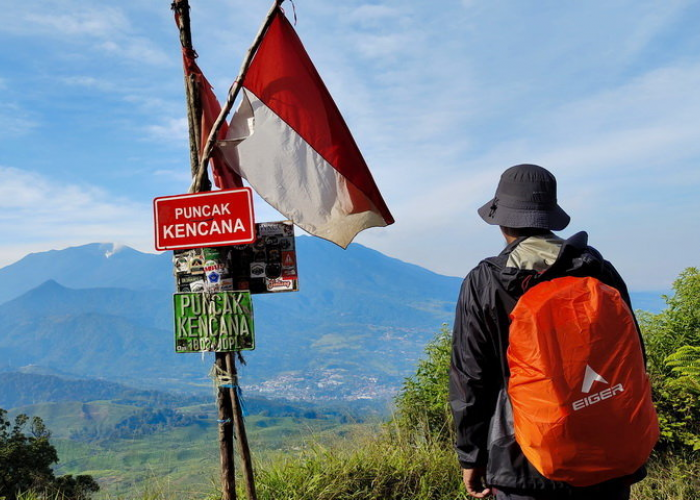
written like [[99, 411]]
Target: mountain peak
[[95, 265], [50, 284]]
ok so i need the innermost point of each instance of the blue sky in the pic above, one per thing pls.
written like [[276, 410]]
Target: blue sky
[[441, 98]]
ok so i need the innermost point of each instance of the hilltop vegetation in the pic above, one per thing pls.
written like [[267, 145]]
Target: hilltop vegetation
[[413, 457], [125, 437], [333, 340]]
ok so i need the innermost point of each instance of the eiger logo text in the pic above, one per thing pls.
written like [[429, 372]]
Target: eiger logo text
[[588, 379]]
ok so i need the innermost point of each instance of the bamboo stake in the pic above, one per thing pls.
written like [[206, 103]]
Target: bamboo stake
[[226, 459], [241, 436], [194, 120], [232, 94]]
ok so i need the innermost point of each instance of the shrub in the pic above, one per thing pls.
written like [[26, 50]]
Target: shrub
[[673, 349], [422, 406]]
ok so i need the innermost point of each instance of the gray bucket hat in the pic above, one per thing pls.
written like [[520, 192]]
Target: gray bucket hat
[[526, 196]]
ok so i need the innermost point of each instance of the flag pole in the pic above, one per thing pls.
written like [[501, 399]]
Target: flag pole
[[239, 426], [194, 120], [194, 109], [232, 94]]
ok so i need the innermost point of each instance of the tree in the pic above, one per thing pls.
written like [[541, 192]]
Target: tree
[[26, 458], [673, 351]]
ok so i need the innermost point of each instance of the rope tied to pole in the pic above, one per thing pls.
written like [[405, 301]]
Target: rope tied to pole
[[222, 379]]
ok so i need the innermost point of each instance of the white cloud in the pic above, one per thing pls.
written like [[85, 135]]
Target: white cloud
[[439, 100], [91, 25], [654, 19], [170, 130], [40, 213], [627, 162], [89, 82], [100, 22], [137, 49], [372, 16], [16, 121], [175, 175]]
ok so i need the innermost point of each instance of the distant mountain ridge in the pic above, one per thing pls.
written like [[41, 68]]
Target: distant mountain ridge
[[95, 265], [360, 319]]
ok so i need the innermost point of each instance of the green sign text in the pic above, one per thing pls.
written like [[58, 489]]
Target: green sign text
[[220, 322]]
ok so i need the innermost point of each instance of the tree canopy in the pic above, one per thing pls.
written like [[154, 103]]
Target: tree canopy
[[26, 460]]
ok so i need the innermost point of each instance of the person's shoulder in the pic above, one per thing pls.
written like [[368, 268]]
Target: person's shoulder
[[484, 274], [486, 266]]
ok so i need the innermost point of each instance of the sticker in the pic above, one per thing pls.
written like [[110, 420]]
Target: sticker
[[288, 260], [189, 283], [181, 265], [279, 285], [257, 269], [270, 229], [196, 265]]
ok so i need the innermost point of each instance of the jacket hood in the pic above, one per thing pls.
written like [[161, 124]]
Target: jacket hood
[[575, 258]]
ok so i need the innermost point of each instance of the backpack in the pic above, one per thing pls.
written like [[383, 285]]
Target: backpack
[[581, 398]]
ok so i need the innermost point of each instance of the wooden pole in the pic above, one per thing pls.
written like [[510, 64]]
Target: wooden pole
[[241, 436], [194, 120], [223, 401], [182, 8], [232, 94]]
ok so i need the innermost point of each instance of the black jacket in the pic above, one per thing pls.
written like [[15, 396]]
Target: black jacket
[[482, 413]]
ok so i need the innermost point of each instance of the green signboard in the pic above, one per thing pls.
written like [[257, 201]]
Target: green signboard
[[220, 322]]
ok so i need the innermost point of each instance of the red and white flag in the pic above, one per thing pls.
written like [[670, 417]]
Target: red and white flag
[[290, 142]]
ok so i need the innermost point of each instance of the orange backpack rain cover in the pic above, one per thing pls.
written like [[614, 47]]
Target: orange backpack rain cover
[[581, 397]]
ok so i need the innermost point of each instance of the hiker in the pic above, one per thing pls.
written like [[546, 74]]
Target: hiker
[[493, 463]]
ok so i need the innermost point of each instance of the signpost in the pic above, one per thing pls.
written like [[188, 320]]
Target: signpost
[[225, 399], [209, 219], [221, 256]]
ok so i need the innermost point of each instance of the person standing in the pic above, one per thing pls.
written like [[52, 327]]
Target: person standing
[[526, 209]]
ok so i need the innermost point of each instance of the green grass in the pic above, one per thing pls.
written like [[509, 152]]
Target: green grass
[[296, 459], [363, 466], [182, 462], [670, 478], [389, 466], [349, 462]]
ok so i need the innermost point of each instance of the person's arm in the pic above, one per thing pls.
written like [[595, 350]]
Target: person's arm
[[473, 381]]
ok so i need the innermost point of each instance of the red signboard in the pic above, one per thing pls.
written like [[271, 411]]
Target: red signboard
[[210, 219]]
